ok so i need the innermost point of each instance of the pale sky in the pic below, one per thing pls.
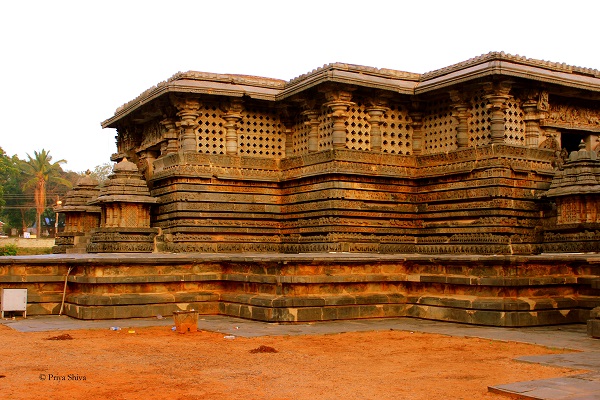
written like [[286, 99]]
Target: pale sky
[[67, 65]]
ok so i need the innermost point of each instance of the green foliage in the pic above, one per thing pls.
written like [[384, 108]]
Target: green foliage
[[38, 171], [8, 250], [17, 191], [101, 172]]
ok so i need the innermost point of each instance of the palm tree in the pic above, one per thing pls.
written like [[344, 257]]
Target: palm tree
[[38, 171]]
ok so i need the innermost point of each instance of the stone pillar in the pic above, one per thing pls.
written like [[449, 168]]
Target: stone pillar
[[313, 135], [188, 112], [462, 114], [416, 125], [497, 95], [535, 108], [232, 117], [147, 158], [169, 145], [375, 111], [338, 102]]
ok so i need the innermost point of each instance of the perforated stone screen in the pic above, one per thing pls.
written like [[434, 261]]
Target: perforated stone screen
[[300, 135], [260, 134], [357, 128], [480, 133], [514, 126], [210, 132], [396, 133], [439, 128], [325, 130]]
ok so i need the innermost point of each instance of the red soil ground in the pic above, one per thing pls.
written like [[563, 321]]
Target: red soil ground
[[158, 363]]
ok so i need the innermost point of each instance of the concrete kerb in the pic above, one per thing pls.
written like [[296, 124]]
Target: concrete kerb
[[571, 337]]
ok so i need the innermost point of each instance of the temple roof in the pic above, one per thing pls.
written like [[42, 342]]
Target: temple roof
[[77, 199], [494, 63], [579, 176], [126, 185]]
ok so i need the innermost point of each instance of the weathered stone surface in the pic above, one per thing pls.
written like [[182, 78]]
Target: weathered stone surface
[[379, 161]]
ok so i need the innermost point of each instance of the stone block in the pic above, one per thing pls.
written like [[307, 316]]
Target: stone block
[[309, 314], [347, 312], [593, 328], [370, 311]]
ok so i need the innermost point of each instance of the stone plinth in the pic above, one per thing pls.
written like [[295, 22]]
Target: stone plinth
[[482, 290]]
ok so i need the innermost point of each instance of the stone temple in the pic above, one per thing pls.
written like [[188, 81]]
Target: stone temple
[[469, 194]]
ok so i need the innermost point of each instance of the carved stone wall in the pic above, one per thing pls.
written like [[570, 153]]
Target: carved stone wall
[[358, 159]]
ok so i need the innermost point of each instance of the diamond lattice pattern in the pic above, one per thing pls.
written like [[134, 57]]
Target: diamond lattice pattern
[[260, 134], [325, 130], [396, 132], [514, 126], [210, 132], [480, 133], [300, 135], [439, 128], [357, 128]]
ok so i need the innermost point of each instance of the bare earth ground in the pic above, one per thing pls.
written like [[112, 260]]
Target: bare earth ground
[[158, 363]]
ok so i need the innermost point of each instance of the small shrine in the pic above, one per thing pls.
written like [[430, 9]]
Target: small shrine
[[80, 217], [125, 221], [574, 224]]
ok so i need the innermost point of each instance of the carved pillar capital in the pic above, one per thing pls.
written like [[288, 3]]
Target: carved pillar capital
[[338, 101], [532, 114], [497, 95], [188, 111], [232, 117], [375, 112], [461, 114], [169, 144], [312, 120]]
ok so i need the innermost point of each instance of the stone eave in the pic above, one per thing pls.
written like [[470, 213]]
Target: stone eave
[[385, 79], [502, 64], [509, 69], [118, 198], [191, 86], [79, 208], [491, 64]]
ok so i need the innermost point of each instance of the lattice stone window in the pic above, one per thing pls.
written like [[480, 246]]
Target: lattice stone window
[[300, 135], [514, 126], [260, 134], [325, 131], [396, 133], [480, 133], [211, 133], [439, 128], [357, 128]]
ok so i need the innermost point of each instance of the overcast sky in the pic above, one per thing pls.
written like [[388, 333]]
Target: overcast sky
[[67, 65]]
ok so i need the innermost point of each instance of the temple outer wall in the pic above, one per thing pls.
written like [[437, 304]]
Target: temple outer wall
[[506, 291]]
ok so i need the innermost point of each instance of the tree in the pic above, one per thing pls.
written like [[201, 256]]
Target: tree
[[101, 172], [14, 211], [38, 171]]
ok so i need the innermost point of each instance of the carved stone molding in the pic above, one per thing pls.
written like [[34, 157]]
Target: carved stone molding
[[338, 101], [497, 95], [188, 112], [376, 108], [462, 114], [232, 117]]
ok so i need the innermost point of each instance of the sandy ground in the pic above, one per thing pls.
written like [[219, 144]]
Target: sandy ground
[[158, 363]]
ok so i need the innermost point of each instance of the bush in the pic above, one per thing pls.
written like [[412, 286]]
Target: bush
[[8, 250]]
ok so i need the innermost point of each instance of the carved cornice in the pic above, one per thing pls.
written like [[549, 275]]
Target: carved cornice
[[494, 63]]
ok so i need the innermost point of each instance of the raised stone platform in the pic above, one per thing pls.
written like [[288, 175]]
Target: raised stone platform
[[482, 290]]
